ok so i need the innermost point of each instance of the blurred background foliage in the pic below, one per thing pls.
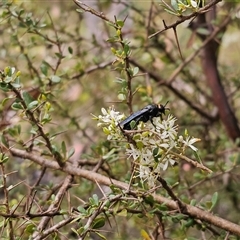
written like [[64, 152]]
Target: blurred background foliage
[[65, 60]]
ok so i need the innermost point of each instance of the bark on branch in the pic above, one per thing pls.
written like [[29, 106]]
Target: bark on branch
[[210, 68], [96, 177]]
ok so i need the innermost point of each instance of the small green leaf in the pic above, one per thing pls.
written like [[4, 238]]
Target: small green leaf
[[135, 71], [100, 235], [109, 154], [120, 23], [75, 231], [208, 205], [174, 219], [82, 210], [180, 217], [55, 79], [16, 85], [193, 202], [70, 153], [17, 106], [106, 131], [70, 50], [30, 228], [123, 213], [79, 10], [121, 97], [5, 87], [44, 69], [140, 145], [4, 101], [3, 158], [203, 31], [64, 149], [8, 79], [2, 223], [12, 70], [59, 55], [214, 199], [4, 141], [197, 156], [155, 151], [17, 78], [13, 131], [21, 11], [132, 124], [32, 105], [18, 129], [174, 4], [46, 118], [112, 39], [190, 223], [27, 97], [33, 130], [149, 200], [162, 207], [126, 49], [98, 223], [145, 235], [96, 200]]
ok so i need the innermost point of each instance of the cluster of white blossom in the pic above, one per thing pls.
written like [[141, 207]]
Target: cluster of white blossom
[[152, 146], [109, 121]]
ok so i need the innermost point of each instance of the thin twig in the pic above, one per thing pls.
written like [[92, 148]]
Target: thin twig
[[86, 8], [52, 229], [194, 163], [184, 18], [157, 78], [6, 202], [92, 176], [194, 54], [92, 69], [181, 205]]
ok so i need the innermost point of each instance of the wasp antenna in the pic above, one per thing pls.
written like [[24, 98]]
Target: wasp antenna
[[164, 106], [166, 103]]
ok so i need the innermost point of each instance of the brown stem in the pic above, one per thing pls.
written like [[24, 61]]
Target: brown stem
[[96, 177], [210, 68]]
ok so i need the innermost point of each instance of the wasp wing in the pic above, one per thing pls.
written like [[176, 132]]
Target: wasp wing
[[137, 117]]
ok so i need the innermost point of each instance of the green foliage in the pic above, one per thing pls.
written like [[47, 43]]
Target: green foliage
[[178, 7], [61, 176]]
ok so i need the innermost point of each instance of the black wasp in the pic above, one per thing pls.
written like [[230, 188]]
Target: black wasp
[[144, 115]]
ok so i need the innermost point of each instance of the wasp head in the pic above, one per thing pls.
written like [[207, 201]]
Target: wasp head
[[162, 108]]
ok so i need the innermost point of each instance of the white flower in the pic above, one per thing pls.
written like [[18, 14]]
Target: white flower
[[146, 174], [146, 157], [110, 116], [110, 121], [135, 153], [152, 143], [167, 128], [164, 145], [151, 180], [189, 141]]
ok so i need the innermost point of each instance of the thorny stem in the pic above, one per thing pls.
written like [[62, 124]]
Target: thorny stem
[[86, 8], [6, 202], [181, 205], [34, 120], [128, 74], [92, 176], [184, 18]]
